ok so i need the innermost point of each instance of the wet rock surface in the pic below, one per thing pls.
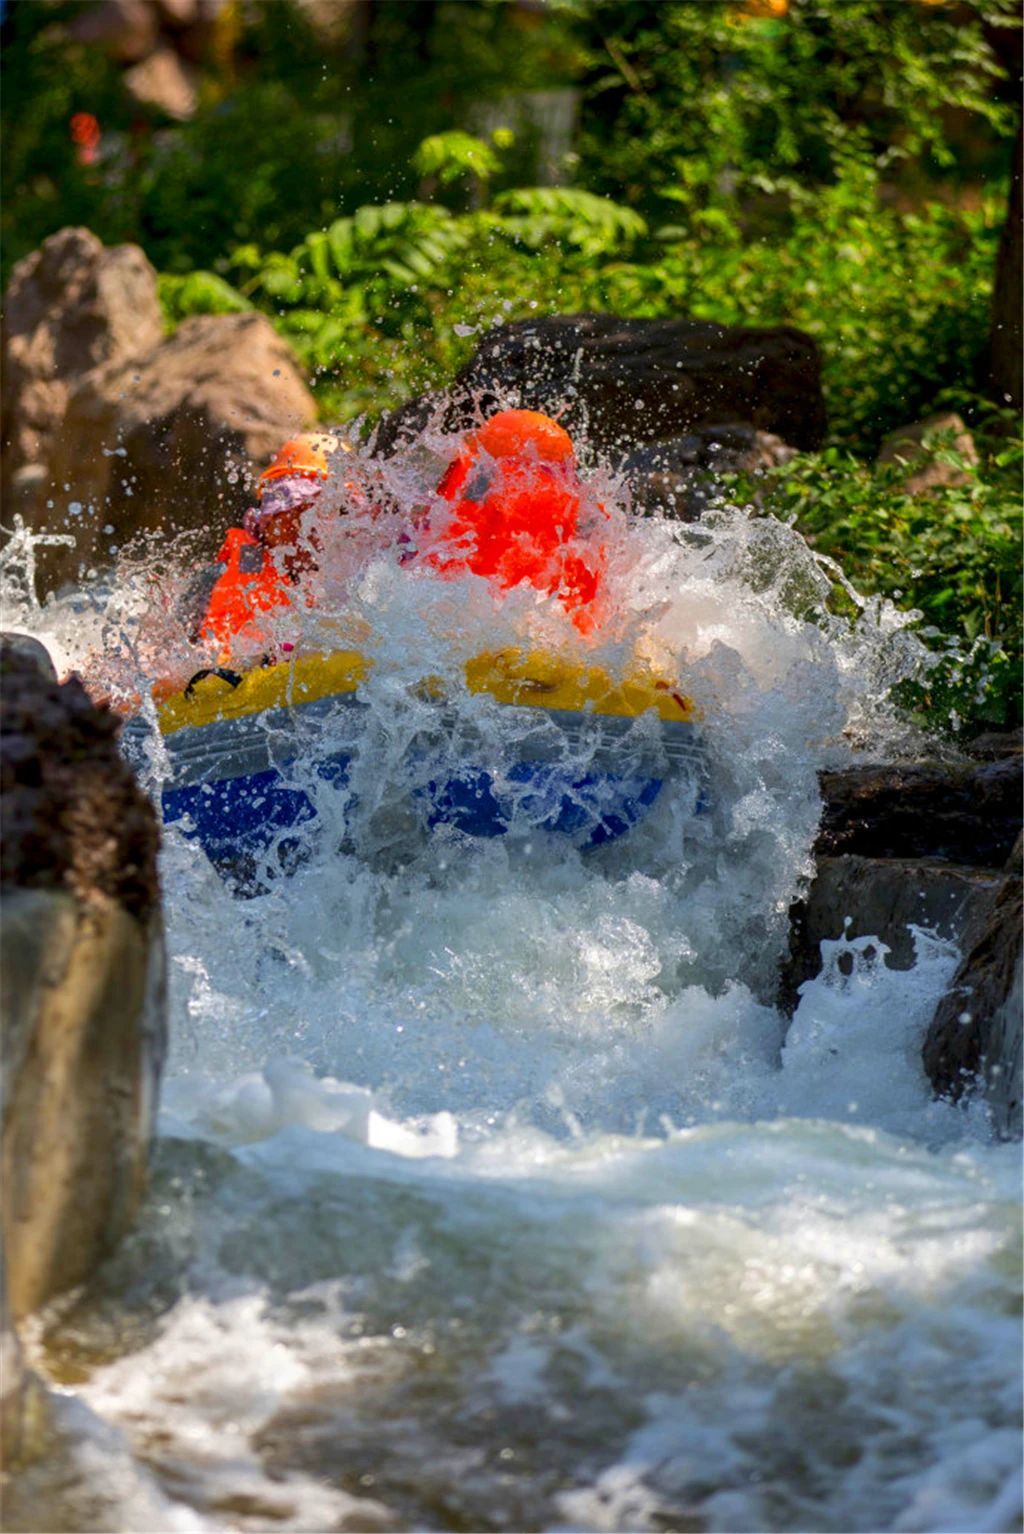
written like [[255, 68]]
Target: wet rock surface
[[81, 982], [933, 845], [879, 897], [976, 1033], [673, 399], [968, 814], [680, 476]]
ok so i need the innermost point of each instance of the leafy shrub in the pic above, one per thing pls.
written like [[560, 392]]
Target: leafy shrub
[[382, 302], [953, 555], [763, 107], [197, 293], [451, 156]]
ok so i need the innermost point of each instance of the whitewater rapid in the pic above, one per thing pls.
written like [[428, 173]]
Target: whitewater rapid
[[492, 1191]]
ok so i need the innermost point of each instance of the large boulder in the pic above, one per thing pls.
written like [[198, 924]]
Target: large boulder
[[72, 306], [976, 1033], [166, 442], [967, 813], [681, 474], [110, 429], [631, 383], [926, 844], [81, 982]]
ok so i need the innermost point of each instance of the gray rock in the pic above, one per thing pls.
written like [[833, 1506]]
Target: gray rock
[[880, 897], [148, 434], [81, 989], [166, 81], [165, 444], [23, 1399], [975, 1036]]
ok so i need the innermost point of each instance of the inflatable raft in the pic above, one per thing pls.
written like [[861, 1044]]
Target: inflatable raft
[[247, 759]]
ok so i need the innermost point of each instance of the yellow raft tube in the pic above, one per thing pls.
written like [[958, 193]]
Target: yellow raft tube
[[246, 754]]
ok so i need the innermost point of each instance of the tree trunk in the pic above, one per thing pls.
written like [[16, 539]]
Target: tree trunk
[[1007, 384]]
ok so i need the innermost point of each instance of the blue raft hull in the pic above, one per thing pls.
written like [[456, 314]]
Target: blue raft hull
[[247, 815], [254, 790]]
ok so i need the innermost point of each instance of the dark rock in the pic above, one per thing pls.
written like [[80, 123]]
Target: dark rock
[[734, 446], [993, 745], [968, 814], [680, 475], [81, 982], [880, 897], [975, 1035], [74, 817], [629, 382], [17, 648], [918, 448], [926, 844]]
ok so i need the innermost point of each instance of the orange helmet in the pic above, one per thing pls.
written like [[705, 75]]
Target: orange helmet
[[306, 456], [511, 431]]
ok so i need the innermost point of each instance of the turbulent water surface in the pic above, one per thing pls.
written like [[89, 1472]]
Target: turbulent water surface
[[491, 1191]]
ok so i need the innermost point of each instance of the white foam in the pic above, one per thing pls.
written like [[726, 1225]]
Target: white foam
[[491, 1177]]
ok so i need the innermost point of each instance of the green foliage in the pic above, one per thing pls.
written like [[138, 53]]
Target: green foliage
[[576, 220], [197, 293], [953, 555], [764, 107], [688, 108], [450, 156], [387, 297], [897, 300], [295, 124]]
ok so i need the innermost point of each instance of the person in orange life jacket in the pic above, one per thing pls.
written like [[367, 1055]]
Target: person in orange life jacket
[[515, 500], [264, 558]]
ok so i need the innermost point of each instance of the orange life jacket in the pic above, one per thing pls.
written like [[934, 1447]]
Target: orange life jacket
[[517, 521], [251, 584]]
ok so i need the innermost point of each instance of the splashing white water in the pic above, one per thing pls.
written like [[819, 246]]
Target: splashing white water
[[493, 1191]]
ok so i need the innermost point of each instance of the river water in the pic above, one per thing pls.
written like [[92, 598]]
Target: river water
[[491, 1191]]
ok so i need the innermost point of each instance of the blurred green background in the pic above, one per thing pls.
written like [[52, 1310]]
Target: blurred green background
[[384, 178]]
